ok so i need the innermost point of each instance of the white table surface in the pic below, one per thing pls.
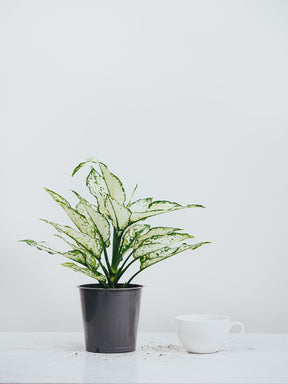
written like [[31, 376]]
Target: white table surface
[[159, 358]]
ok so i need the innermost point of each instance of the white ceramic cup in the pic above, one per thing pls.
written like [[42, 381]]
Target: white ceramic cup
[[206, 333]]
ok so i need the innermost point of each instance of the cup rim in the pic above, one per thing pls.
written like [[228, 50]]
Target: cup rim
[[200, 317]]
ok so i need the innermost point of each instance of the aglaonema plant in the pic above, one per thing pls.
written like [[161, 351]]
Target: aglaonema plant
[[92, 251]]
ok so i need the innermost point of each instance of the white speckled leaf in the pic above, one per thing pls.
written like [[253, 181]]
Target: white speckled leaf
[[163, 205], [157, 242], [42, 246], [91, 261], [156, 231], [114, 185], [80, 208], [98, 220], [79, 166], [94, 274], [90, 244], [140, 205], [152, 211], [137, 216], [118, 214], [79, 220], [97, 188], [131, 235], [164, 253], [74, 255], [73, 246]]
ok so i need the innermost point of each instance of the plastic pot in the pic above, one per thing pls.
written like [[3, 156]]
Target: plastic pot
[[110, 317]]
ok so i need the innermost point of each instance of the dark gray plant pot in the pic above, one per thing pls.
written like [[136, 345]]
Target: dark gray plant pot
[[110, 317]]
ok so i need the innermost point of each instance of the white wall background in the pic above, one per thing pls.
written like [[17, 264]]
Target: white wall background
[[186, 98]]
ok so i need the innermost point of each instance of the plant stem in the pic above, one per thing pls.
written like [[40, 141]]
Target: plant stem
[[115, 251], [125, 261], [107, 260], [122, 271], [106, 273], [135, 274]]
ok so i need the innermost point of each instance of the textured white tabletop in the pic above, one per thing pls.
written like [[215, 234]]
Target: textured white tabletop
[[159, 358]]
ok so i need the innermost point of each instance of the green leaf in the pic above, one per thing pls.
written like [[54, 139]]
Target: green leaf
[[168, 206], [118, 214], [72, 245], [75, 247], [157, 256], [114, 185], [98, 220], [157, 242], [90, 244], [131, 235], [94, 274], [75, 255], [134, 190], [140, 205], [91, 261], [138, 216], [163, 205], [97, 188], [42, 246], [79, 166], [156, 231], [159, 207], [79, 220]]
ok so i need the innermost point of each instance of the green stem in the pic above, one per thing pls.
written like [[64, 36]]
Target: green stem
[[104, 285], [135, 274], [125, 261], [122, 271], [106, 273], [115, 251], [107, 260]]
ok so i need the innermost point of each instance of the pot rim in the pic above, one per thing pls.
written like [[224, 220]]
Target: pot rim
[[97, 287]]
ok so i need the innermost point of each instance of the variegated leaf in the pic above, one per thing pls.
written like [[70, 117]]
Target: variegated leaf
[[100, 222], [119, 214], [94, 274], [131, 235], [75, 247], [133, 192], [157, 242], [138, 216], [166, 252], [80, 208], [169, 205], [156, 231], [91, 261], [79, 220], [163, 205], [152, 211], [79, 166], [72, 245], [97, 188], [75, 255], [140, 205], [114, 185], [91, 244], [42, 246]]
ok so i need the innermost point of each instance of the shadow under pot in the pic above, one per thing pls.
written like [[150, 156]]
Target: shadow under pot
[[110, 317]]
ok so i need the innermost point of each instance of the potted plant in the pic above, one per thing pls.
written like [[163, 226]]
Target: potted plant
[[110, 308]]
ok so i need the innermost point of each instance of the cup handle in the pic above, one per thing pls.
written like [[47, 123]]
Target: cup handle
[[234, 323]]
